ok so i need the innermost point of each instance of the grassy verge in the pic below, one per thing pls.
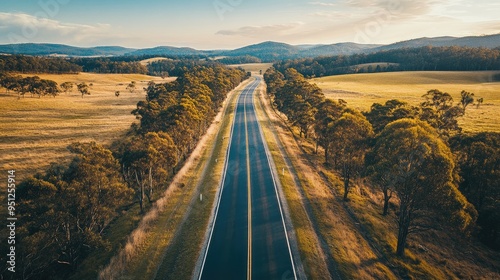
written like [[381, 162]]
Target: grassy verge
[[348, 254], [168, 240], [310, 252]]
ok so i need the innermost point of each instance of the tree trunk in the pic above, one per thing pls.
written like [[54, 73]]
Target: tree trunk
[[326, 153], [141, 192], [403, 226], [346, 182], [150, 192], [387, 197]]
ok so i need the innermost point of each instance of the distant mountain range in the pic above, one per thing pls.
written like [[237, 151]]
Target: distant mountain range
[[266, 51], [62, 50]]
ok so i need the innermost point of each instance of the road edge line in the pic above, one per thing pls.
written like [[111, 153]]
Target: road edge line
[[211, 225]]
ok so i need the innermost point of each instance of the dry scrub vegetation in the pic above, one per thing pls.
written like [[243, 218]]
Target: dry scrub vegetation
[[36, 131]]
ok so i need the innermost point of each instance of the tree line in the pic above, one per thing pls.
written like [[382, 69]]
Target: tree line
[[406, 59], [32, 85], [172, 66], [109, 66], [415, 156], [33, 64], [240, 59], [35, 86], [67, 208]]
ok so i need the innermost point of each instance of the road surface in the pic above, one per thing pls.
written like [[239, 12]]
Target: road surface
[[248, 239]]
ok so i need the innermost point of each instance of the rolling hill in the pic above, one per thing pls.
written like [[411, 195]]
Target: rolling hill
[[266, 51], [487, 41], [62, 50]]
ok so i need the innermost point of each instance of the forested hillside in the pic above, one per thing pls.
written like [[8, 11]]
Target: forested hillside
[[405, 59]]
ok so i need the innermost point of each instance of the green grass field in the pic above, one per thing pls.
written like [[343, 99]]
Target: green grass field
[[362, 90], [36, 131]]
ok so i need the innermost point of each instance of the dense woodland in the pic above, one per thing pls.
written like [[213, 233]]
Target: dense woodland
[[415, 156], [107, 65], [68, 207], [33, 64], [110, 66], [406, 59]]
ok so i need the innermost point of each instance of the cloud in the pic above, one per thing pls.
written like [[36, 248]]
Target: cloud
[[324, 4], [259, 31], [403, 8], [331, 15], [21, 28]]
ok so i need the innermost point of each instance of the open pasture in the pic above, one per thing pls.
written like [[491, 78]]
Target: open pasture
[[362, 90], [36, 131]]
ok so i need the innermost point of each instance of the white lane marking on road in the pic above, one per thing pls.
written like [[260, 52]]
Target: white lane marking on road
[[249, 194], [226, 162], [277, 195]]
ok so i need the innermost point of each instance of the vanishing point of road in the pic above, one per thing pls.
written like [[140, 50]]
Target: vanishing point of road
[[249, 237]]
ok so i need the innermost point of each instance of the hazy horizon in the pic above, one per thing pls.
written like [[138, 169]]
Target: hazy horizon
[[229, 24]]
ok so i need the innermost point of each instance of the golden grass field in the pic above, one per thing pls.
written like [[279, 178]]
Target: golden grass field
[[36, 131], [362, 90], [254, 68]]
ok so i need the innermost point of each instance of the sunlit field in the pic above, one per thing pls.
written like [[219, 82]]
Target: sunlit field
[[362, 90], [36, 131], [255, 68]]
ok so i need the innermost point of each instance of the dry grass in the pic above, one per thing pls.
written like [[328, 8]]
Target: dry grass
[[254, 68], [36, 131], [362, 90]]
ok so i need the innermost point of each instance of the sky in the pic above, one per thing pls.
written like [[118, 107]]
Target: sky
[[229, 24]]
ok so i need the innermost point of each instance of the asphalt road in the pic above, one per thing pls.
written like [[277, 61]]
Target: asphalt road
[[248, 240]]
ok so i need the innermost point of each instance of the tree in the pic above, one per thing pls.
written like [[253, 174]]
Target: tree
[[67, 87], [466, 99], [274, 81], [439, 112], [414, 161], [68, 209], [381, 115], [117, 93], [83, 88], [298, 100], [328, 112], [478, 157], [351, 134], [146, 163], [131, 87], [479, 102], [50, 88]]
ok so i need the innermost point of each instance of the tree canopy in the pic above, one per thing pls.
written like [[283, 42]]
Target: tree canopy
[[411, 158]]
